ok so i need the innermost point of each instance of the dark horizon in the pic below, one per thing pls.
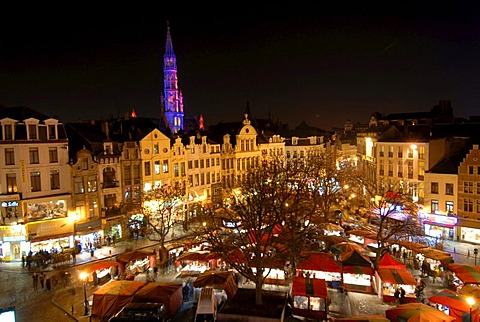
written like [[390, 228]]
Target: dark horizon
[[323, 65]]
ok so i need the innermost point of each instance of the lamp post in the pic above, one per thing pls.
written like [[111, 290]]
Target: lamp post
[[470, 301], [83, 277]]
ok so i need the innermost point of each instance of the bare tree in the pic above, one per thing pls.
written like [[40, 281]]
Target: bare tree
[[247, 231], [396, 217], [161, 208]]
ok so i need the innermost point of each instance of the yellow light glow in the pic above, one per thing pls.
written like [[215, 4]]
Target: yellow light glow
[[470, 301], [83, 276]]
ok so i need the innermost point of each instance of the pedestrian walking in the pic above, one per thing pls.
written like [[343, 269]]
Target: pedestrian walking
[[42, 280], [35, 280]]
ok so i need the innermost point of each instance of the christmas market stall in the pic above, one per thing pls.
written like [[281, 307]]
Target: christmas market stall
[[460, 275], [357, 272], [309, 297], [100, 272], [366, 238], [391, 275], [455, 305], [194, 263], [111, 297], [170, 294], [137, 261], [322, 266]]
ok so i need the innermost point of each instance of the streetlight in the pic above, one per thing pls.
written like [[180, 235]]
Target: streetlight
[[83, 277], [470, 301]]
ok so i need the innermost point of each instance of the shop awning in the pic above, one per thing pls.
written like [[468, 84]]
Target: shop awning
[[396, 276], [320, 262], [466, 273], [313, 287], [364, 270], [457, 304]]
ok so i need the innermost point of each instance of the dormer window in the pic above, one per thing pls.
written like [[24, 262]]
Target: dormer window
[[52, 132], [107, 148], [32, 131], [8, 128]]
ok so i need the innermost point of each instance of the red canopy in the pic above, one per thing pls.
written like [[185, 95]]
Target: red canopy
[[457, 303], [466, 273], [320, 262], [387, 261], [299, 287], [90, 267], [396, 276]]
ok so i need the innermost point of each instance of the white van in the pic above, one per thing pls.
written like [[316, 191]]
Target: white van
[[206, 306]]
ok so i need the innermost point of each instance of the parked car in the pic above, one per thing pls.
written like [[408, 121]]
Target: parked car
[[151, 312]]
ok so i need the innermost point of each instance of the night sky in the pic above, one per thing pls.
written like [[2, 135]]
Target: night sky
[[323, 65]]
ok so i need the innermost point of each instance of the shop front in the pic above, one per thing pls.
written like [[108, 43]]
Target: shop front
[[88, 236], [50, 235], [439, 226], [13, 243], [10, 211], [114, 229]]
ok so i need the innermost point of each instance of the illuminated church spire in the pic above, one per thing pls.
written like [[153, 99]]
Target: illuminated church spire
[[173, 99]]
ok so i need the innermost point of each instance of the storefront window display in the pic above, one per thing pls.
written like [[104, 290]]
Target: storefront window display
[[471, 234], [51, 245], [46, 210]]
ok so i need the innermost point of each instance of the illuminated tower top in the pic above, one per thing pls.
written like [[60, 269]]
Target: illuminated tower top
[[173, 99]]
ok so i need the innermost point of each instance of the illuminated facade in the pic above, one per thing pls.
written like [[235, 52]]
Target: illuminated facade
[[172, 99]]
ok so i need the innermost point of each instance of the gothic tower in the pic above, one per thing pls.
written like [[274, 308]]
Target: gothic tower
[[172, 96]]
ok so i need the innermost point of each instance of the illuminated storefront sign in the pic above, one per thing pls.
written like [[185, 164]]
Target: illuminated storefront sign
[[433, 219]]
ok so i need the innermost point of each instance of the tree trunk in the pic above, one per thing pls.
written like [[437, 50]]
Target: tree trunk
[[258, 289]]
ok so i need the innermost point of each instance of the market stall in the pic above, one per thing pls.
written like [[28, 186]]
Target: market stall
[[357, 272], [194, 263], [391, 275], [366, 238], [455, 305], [111, 297], [321, 266], [100, 272], [310, 298], [224, 280], [460, 275], [170, 294], [137, 261]]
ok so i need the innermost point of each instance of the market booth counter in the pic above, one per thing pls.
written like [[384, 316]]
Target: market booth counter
[[321, 266], [309, 297], [389, 279], [392, 274], [357, 272], [136, 262]]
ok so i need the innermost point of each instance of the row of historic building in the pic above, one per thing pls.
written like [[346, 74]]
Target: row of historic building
[[432, 157], [61, 182]]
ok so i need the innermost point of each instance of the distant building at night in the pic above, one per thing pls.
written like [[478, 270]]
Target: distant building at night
[[172, 96]]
